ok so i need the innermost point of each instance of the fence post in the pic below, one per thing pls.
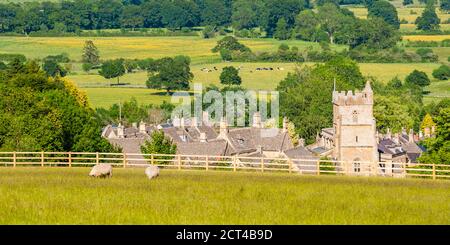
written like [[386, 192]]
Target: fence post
[[404, 169], [262, 164], [318, 167], [42, 159], [152, 160], [14, 159], [97, 160], [234, 163], [179, 162], [290, 166], [207, 163], [124, 160], [434, 171], [70, 159]]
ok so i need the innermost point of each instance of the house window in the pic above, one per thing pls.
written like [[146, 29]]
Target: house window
[[355, 116], [356, 139]]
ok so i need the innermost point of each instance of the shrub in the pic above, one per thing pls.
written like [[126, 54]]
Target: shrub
[[11, 57], [427, 55], [442, 73], [418, 78]]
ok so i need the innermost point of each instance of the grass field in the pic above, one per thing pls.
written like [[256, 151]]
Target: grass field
[[101, 95], [69, 196], [199, 49], [406, 14]]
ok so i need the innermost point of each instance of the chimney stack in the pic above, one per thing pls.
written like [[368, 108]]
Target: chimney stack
[[194, 122], [388, 134], [176, 122], [203, 138], [223, 127], [205, 118], [257, 120], [142, 127], [411, 136], [301, 142], [120, 131], [396, 138]]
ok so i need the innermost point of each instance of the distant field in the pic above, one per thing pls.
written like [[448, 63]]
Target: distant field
[[437, 38], [102, 95], [438, 90], [197, 48], [405, 14], [69, 196]]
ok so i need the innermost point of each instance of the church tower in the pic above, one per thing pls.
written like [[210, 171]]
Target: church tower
[[355, 128]]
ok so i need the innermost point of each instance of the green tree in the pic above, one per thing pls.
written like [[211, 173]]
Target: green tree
[[86, 67], [53, 69], [445, 5], [438, 148], [391, 112], [418, 78], [383, 9], [112, 69], [428, 21], [230, 43], [306, 26], [171, 74], [407, 2], [159, 144], [246, 14], [427, 122], [42, 114], [209, 32], [131, 17], [90, 53], [281, 30], [442, 73], [310, 90], [230, 76], [275, 10]]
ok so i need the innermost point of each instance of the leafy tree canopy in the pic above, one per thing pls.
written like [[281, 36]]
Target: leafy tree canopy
[[230, 76]]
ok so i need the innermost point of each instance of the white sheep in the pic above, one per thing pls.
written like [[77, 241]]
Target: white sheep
[[152, 172], [101, 170]]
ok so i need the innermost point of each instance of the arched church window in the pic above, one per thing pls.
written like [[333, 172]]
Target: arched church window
[[355, 116]]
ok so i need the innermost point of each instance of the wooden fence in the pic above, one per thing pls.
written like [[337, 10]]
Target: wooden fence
[[229, 163]]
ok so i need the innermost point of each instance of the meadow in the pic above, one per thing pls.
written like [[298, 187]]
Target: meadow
[[409, 14], [69, 196], [101, 94], [199, 49]]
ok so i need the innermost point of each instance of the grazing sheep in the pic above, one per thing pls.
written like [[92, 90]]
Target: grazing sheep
[[152, 172], [101, 170]]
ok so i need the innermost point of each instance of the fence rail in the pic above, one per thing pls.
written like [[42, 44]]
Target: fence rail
[[229, 163]]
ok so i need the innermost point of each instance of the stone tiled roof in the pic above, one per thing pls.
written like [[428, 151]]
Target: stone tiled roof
[[209, 131], [244, 140], [300, 152], [212, 148], [388, 146], [130, 145], [412, 147]]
